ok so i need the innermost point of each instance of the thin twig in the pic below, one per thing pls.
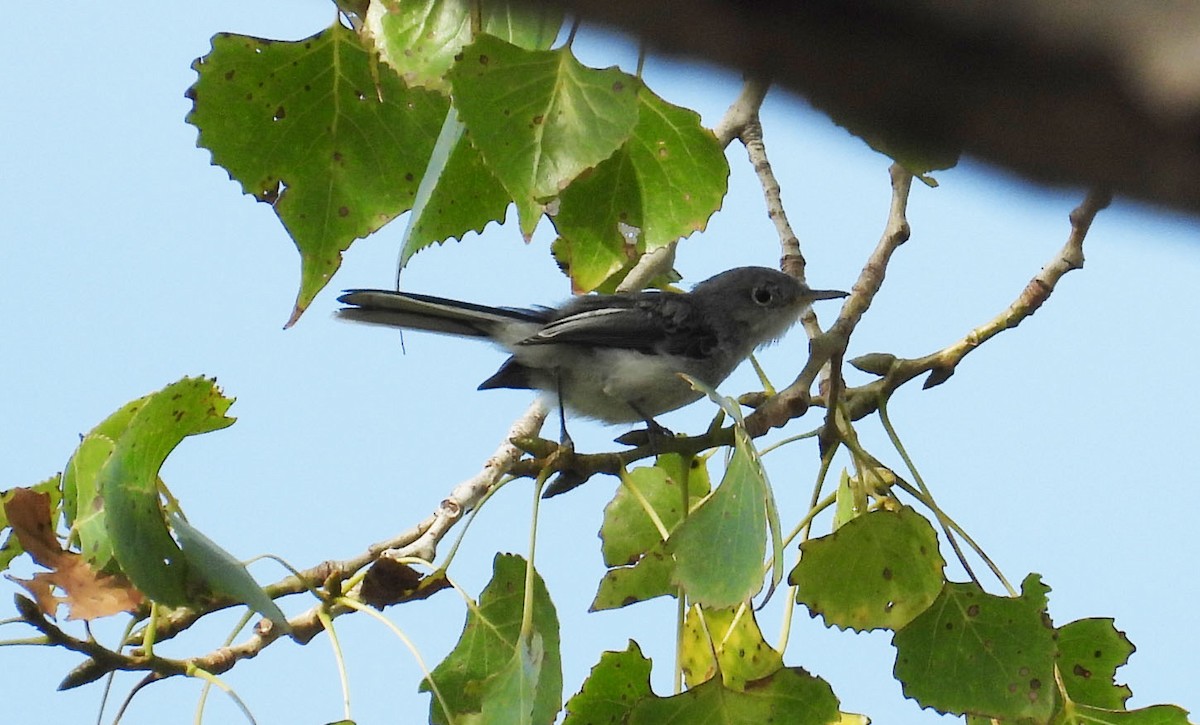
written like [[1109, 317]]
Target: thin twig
[[863, 400], [793, 401]]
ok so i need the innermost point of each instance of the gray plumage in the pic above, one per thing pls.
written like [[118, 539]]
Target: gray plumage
[[615, 358]]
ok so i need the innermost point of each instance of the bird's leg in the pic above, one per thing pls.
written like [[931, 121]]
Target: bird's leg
[[564, 438], [568, 477], [654, 431]]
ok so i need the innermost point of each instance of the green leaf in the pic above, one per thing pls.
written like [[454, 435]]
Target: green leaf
[[719, 548], [972, 652], [509, 697], [631, 543], [457, 194], [87, 505], [790, 696], [615, 685], [419, 39], [128, 483], [879, 570], [224, 573], [488, 646], [628, 531], [334, 141], [1089, 653], [540, 118], [648, 578], [1153, 715], [662, 185], [742, 655]]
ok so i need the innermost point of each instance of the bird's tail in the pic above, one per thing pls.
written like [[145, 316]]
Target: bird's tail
[[433, 314]]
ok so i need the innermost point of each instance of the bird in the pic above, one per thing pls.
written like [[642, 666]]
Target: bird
[[616, 358]]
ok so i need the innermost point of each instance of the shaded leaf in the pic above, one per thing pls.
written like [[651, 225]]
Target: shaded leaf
[[617, 683], [879, 570], [1153, 715], [420, 38], [224, 573], [389, 581], [457, 194], [509, 698], [628, 531], [719, 548], [489, 643], [650, 577], [973, 652], [334, 141]]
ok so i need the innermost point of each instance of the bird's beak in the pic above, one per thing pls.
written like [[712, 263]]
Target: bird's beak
[[823, 294]]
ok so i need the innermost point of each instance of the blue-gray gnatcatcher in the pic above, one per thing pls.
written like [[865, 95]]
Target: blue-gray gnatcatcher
[[616, 357]]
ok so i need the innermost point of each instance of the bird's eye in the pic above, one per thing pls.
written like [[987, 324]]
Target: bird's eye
[[762, 295]]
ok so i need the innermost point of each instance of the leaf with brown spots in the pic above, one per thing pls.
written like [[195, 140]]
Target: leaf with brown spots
[[733, 636], [974, 652], [319, 129], [1089, 653], [878, 570]]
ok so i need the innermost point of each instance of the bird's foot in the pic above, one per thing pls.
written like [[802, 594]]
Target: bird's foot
[[651, 435]]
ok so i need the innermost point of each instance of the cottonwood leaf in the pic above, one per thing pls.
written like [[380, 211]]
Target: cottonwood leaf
[[664, 183], [128, 483], [224, 573], [791, 696], [1089, 653], [879, 570], [319, 129], [974, 652], [489, 643], [615, 685], [719, 548], [540, 118], [86, 592], [733, 636], [419, 39]]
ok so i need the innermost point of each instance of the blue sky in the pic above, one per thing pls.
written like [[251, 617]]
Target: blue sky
[[1065, 446]]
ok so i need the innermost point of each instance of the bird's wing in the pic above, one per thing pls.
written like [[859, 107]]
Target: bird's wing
[[433, 314], [649, 322]]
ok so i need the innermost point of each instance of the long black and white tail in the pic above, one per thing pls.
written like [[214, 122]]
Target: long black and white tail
[[434, 314]]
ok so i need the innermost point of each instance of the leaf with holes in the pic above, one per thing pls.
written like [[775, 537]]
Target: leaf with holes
[[128, 483], [1089, 653], [319, 129], [879, 570]]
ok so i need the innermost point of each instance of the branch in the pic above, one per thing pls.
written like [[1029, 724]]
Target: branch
[[741, 112], [895, 372], [793, 401], [467, 494]]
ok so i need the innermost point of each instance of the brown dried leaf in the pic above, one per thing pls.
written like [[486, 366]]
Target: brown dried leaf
[[88, 594]]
